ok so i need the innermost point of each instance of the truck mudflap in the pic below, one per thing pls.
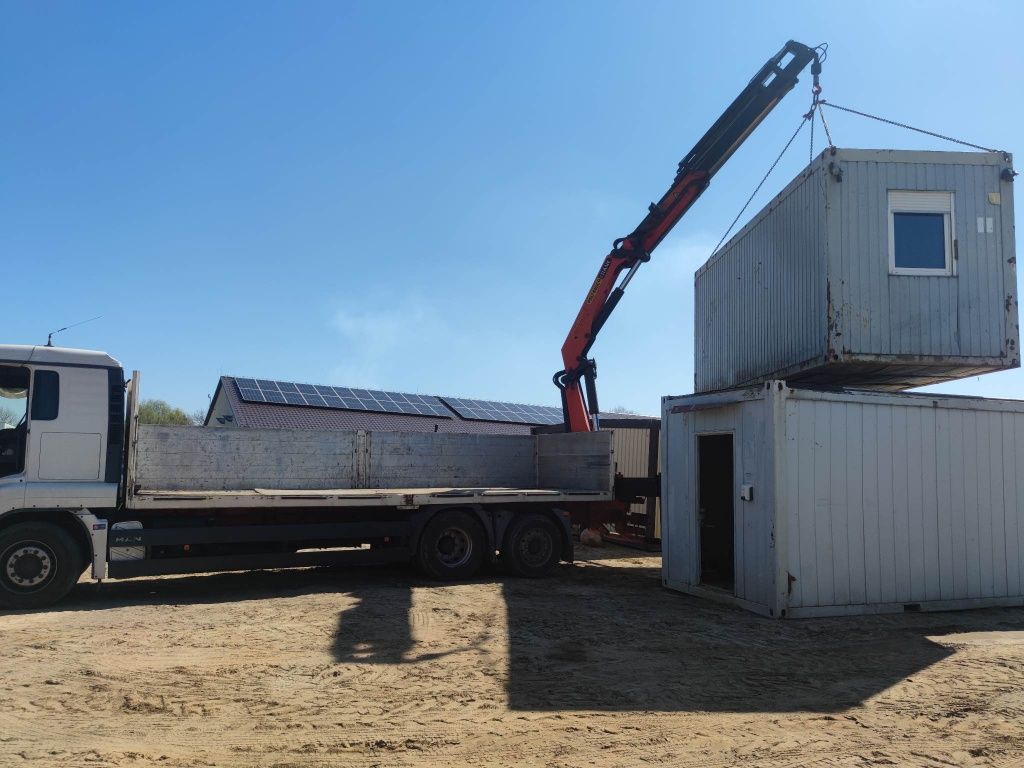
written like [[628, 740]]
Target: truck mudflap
[[565, 523], [96, 528]]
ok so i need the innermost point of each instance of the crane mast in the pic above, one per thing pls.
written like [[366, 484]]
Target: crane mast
[[773, 81]]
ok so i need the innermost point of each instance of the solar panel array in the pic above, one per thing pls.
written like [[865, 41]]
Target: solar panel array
[[343, 398], [489, 410]]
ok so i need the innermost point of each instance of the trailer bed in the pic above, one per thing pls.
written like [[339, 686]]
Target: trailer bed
[[203, 467], [357, 497]]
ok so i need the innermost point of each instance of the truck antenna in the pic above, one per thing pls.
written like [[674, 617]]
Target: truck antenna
[[49, 336]]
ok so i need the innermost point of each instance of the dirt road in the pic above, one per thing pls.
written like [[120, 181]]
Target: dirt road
[[596, 666]]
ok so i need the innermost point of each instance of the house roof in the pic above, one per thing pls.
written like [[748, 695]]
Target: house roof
[[264, 415]]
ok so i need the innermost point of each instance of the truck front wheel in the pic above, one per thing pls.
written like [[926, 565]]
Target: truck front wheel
[[533, 546], [39, 564], [452, 546]]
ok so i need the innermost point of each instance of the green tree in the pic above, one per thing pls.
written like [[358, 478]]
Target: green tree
[[7, 416], [160, 412]]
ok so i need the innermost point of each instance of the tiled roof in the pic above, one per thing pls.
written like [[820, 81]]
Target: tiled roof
[[273, 416]]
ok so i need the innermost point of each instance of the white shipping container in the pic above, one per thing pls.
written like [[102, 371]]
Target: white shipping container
[[797, 502], [881, 269]]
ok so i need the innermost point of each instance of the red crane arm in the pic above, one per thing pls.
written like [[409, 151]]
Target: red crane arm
[[773, 81]]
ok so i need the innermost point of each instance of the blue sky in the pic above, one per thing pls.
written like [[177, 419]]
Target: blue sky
[[415, 196]]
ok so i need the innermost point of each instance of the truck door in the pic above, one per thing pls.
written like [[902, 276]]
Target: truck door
[[67, 432], [14, 381]]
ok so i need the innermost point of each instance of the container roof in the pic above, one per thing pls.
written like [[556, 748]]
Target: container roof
[[726, 397]]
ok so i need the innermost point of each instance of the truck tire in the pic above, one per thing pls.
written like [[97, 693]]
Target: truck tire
[[452, 546], [39, 564], [533, 546]]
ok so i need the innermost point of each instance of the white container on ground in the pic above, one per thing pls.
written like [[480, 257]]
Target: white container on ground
[[874, 268], [796, 502]]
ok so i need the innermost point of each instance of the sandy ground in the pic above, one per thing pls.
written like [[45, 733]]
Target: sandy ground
[[596, 666]]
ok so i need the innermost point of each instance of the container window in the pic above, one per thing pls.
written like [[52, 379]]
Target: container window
[[45, 395], [921, 233]]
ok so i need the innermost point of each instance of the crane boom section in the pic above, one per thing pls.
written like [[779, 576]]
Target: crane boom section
[[773, 81]]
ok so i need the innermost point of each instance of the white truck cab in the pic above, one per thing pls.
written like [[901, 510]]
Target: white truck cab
[[61, 457]]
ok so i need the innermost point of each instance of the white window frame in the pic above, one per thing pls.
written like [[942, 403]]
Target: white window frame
[[915, 201]]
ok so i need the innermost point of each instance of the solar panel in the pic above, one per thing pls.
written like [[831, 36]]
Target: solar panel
[[344, 398], [516, 413], [322, 396]]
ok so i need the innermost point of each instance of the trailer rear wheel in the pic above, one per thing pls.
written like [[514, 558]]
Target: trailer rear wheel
[[39, 564], [452, 546], [533, 546]]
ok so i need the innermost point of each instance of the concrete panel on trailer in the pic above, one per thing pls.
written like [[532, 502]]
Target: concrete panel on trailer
[[575, 461], [430, 460], [198, 458], [194, 461]]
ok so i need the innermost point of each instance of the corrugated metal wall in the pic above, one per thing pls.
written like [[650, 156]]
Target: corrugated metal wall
[[901, 502], [760, 302], [884, 500], [878, 313], [633, 459], [806, 283], [754, 561]]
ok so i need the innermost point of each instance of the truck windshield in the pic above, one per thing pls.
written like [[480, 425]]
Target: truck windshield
[[13, 410]]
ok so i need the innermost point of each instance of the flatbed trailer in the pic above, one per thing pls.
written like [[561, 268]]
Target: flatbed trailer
[[84, 484]]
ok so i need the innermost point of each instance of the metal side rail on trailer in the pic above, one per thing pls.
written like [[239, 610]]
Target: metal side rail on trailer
[[401, 498]]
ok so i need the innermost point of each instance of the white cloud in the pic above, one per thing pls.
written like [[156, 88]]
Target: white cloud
[[380, 336], [375, 331]]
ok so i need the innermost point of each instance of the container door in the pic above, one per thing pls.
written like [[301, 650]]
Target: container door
[[715, 505]]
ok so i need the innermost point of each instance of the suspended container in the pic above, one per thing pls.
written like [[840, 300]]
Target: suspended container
[[884, 269], [796, 502]]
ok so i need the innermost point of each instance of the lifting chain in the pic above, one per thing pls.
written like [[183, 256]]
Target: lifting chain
[[908, 127]]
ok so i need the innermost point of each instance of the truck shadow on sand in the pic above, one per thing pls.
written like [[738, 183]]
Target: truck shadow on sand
[[602, 637]]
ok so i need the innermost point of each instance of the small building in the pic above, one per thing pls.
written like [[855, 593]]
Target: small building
[[882, 269], [267, 404], [802, 502]]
